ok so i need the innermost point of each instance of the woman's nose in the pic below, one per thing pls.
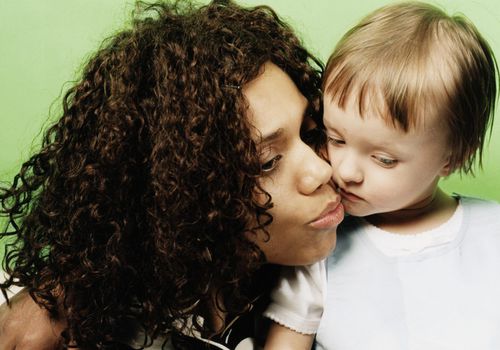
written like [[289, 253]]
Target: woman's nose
[[316, 172]]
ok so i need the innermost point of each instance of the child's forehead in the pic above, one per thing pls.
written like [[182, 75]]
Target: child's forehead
[[371, 103], [372, 131]]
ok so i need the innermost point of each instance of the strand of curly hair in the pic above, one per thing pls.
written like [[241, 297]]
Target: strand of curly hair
[[138, 204]]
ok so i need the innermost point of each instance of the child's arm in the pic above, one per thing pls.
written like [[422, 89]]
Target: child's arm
[[296, 307], [283, 338]]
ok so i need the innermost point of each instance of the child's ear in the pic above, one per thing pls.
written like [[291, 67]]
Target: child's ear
[[446, 169]]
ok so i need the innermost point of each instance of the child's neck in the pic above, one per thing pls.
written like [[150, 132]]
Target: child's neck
[[428, 214]]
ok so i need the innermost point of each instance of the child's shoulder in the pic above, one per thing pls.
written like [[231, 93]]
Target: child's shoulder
[[469, 201], [480, 208]]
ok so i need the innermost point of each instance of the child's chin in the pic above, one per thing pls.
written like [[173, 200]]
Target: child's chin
[[355, 210]]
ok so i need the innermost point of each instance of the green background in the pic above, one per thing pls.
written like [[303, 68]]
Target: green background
[[44, 44]]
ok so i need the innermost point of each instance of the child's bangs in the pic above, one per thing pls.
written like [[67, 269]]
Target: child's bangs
[[395, 85]]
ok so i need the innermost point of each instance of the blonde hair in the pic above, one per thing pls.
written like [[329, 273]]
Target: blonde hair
[[418, 59]]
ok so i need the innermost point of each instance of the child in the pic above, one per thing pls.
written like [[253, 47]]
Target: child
[[409, 94]]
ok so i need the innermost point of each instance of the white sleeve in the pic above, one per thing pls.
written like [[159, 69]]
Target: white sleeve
[[297, 301], [11, 292]]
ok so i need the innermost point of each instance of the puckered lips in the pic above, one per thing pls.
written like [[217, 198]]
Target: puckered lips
[[330, 217]]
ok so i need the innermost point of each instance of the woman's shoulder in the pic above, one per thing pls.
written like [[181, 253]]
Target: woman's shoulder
[[243, 332]]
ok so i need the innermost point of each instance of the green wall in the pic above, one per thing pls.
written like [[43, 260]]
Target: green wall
[[43, 44]]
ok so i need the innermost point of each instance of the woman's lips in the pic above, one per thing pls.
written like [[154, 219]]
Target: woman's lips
[[331, 217]]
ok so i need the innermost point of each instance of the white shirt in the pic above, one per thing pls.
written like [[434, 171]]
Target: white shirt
[[445, 295], [438, 290]]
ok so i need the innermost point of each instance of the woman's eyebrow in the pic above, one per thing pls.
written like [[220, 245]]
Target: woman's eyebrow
[[272, 136]]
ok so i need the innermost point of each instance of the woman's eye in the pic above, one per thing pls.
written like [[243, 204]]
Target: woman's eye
[[386, 162], [335, 141], [271, 164]]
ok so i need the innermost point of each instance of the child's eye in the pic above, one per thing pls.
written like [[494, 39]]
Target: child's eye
[[335, 141], [271, 164], [386, 162]]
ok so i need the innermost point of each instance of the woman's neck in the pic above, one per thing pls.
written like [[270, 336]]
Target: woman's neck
[[217, 313]]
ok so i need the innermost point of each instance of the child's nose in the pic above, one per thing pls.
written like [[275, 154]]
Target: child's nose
[[349, 170]]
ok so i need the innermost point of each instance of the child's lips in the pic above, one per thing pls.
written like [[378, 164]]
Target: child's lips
[[351, 197]]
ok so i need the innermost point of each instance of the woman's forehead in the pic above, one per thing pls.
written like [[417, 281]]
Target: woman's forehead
[[274, 101]]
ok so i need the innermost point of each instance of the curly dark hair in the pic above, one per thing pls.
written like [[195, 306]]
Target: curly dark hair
[[138, 204]]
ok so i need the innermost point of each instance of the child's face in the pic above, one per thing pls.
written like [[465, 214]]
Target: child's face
[[380, 168]]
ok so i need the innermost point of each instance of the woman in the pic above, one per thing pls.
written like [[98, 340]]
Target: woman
[[179, 175]]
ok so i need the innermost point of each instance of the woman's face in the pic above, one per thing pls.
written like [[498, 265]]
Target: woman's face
[[306, 209]]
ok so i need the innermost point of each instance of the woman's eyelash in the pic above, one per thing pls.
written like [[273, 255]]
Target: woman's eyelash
[[271, 164]]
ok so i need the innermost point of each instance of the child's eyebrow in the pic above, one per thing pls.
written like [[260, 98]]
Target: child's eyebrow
[[326, 123], [329, 126]]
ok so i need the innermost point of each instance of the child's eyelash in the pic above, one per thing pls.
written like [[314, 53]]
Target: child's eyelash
[[335, 141], [387, 162]]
